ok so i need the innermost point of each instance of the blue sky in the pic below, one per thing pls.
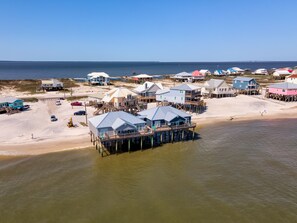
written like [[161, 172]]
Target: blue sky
[[135, 30]]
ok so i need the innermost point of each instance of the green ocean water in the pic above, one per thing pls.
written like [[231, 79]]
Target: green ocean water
[[240, 172]]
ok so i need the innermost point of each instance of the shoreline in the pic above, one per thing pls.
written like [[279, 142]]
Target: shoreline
[[83, 142], [32, 133]]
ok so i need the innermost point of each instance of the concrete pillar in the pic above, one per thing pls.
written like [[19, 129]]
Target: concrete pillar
[[193, 133], [141, 143], [183, 134], [172, 136], [161, 137]]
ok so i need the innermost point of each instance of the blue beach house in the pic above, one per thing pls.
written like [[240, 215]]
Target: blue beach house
[[11, 102], [165, 116], [115, 124], [245, 84]]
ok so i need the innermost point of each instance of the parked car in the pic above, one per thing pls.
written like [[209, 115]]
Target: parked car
[[80, 113], [25, 107], [76, 103], [58, 103], [53, 118]]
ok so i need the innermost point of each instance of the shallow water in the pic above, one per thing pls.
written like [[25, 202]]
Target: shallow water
[[241, 172]]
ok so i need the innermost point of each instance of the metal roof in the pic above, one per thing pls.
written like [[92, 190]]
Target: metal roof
[[243, 79], [185, 87], [146, 86], [214, 83], [284, 85], [182, 74], [97, 74], [114, 120], [163, 91], [120, 92], [161, 113], [142, 76]]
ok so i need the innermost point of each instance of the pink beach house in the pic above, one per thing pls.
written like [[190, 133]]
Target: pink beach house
[[285, 88], [197, 75]]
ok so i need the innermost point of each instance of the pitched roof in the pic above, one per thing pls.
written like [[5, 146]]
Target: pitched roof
[[163, 113], [219, 72], [185, 87], [284, 85], [197, 73], [243, 79], [8, 99], [142, 76], [146, 86], [114, 120], [281, 72], [163, 91], [182, 74], [120, 92], [292, 76], [97, 74], [214, 83]]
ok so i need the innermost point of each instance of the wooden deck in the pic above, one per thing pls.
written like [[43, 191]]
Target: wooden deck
[[151, 132]]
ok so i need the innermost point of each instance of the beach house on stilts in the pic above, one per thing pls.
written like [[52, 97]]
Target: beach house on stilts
[[119, 131], [217, 88]]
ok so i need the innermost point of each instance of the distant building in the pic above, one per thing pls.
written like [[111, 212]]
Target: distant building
[[220, 73], [51, 85], [147, 91], [181, 94], [120, 97], [291, 79], [217, 88], [140, 78], [11, 102], [198, 75], [205, 72], [165, 116], [98, 78], [246, 85], [235, 70], [261, 71], [281, 73], [115, 124], [183, 76]]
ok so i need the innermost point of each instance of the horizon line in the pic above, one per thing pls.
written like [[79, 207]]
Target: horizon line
[[148, 61]]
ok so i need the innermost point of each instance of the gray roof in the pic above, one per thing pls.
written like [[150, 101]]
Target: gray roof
[[214, 83], [163, 113], [183, 74], [114, 120], [284, 85], [8, 99], [243, 79], [185, 87]]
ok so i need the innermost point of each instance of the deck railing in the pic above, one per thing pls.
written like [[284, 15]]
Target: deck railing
[[148, 132]]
